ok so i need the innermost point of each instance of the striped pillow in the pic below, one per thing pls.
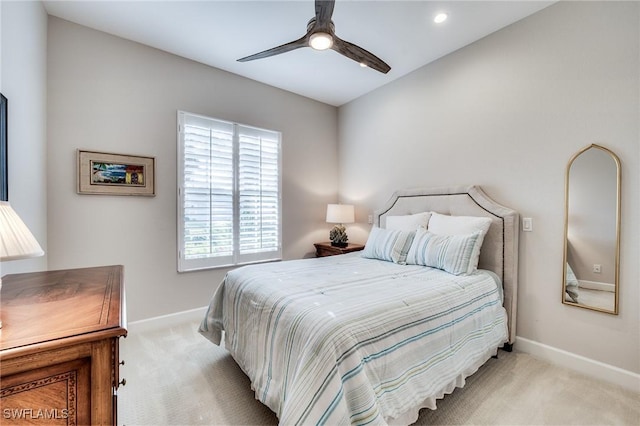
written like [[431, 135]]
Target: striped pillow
[[451, 253], [387, 244], [442, 224]]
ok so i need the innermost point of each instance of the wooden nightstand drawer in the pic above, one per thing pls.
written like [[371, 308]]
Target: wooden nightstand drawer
[[326, 249]]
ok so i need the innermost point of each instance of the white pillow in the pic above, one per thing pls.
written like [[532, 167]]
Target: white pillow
[[451, 253], [387, 244], [441, 224], [409, 222]]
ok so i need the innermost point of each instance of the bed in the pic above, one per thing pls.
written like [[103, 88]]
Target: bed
[[572, 286], [354, 339]]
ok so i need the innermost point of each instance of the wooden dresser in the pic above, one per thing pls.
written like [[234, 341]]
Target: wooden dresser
[[59, 346]]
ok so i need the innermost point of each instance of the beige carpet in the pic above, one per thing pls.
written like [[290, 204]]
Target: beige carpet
[[177, 377]]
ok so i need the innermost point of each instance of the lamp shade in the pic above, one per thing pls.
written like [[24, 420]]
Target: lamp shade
[[16, 241], [340, 213]]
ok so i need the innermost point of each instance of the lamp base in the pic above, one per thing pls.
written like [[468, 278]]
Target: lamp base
[[341, 245]]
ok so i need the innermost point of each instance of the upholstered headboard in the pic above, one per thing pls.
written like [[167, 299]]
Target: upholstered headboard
[[499, 251]]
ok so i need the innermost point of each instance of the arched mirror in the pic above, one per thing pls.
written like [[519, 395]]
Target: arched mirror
[[592, 230]]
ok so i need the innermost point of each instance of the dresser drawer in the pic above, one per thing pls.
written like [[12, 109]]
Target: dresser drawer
[[57, 394]]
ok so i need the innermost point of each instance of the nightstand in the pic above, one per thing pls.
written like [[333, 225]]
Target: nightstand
[[326, 249]]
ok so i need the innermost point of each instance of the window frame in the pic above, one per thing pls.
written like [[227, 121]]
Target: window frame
[[236, 258]]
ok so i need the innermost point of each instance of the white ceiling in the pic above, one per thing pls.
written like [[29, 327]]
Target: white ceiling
[[217, 33]]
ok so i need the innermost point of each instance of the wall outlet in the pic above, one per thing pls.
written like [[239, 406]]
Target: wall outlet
[[527, 224], [597, 268], [370, 219]]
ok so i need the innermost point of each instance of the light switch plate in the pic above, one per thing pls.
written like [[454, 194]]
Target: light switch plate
[[527, 224]]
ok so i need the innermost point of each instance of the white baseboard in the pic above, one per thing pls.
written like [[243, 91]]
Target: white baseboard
[[600, 370], [165, 321], [595, 285]]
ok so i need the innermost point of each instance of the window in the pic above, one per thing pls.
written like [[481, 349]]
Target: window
[[229, 207]]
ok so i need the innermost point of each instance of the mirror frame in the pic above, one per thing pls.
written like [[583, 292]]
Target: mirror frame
[[566, 230]]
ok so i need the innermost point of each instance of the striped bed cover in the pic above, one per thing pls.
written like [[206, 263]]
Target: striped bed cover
[[348, 340]]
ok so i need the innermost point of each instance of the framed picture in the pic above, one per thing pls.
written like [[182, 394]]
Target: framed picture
[[4, 175], [115, 174]]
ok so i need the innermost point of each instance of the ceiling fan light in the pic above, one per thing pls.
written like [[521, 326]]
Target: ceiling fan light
[[440, 18], [321, 41]]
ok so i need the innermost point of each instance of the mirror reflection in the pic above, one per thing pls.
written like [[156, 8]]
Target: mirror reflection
[[592, 230]]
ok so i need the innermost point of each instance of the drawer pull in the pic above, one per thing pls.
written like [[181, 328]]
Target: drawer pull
[[121, 362], [123, 382]]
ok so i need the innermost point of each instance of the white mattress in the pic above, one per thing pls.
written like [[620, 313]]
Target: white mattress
[[348, 340]]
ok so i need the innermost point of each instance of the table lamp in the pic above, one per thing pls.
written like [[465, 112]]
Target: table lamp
[[16, 241], [339, 214]]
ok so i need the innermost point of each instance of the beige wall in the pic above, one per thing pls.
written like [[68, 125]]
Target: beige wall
[[507, 113], [109, 94], [23, 78]]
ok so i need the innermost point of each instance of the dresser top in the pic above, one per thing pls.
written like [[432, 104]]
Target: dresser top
[[41, 307]]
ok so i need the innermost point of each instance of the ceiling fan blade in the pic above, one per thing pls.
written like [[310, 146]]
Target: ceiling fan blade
[[287, 47], [324, 11], [322, 23], [360, 55]]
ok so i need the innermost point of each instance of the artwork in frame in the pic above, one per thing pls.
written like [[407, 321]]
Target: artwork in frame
[[4, 174], [115, 174]]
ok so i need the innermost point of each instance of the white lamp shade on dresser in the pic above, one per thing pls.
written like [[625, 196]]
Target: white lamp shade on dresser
[[16, 241]]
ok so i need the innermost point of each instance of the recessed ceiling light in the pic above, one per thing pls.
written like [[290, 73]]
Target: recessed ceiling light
[[440, 17], [363, 65]]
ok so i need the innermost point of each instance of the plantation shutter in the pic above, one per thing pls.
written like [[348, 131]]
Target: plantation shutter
[[228, 192], [259, 203]]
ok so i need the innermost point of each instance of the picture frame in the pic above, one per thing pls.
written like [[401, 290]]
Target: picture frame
[[102, 173], [4, 168]]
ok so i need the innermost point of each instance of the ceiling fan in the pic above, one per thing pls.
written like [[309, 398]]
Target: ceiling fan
[[321, 36]]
